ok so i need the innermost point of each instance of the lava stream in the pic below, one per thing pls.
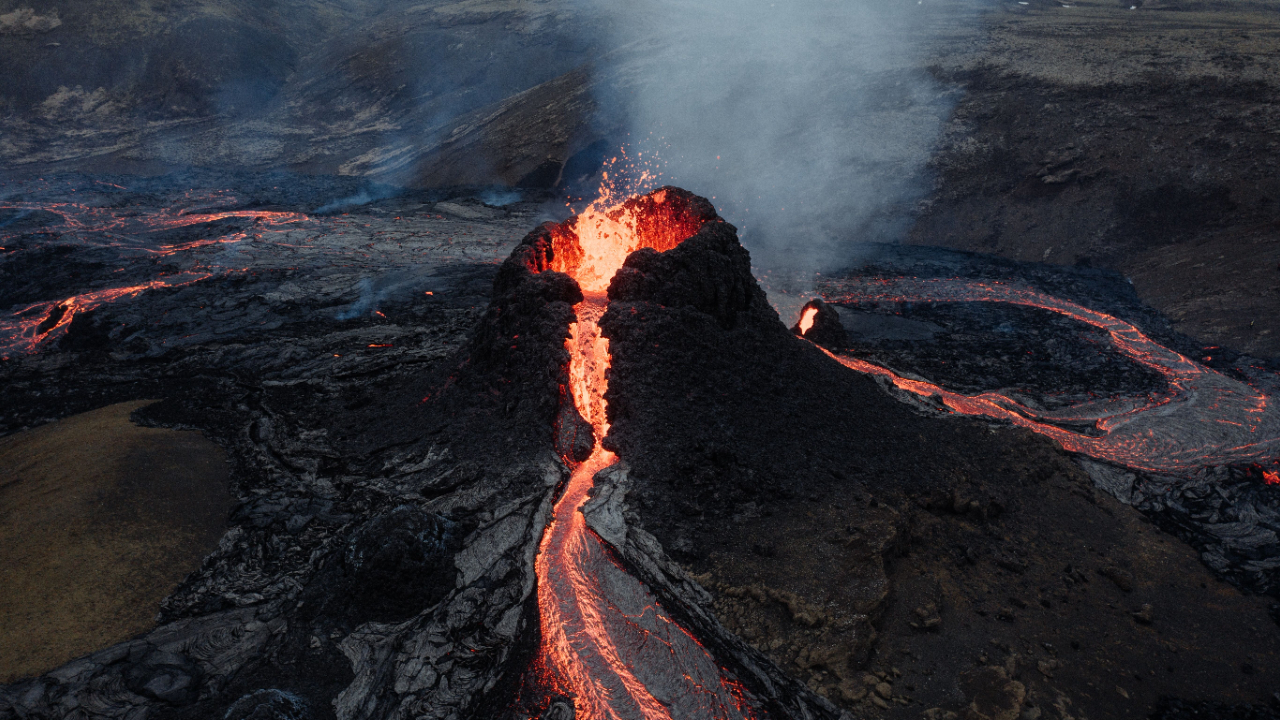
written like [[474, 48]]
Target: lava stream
[[1204, 419], [606, 641], [36, 323]]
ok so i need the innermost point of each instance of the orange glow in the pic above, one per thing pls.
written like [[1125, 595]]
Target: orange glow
[[606, 238], [806, 319], [1205, 418], [79, 218], [605, 639], [1272, 477], [607, 232], [43, 321]]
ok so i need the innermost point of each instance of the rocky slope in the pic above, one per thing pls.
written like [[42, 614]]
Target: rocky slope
[[1141, 139]]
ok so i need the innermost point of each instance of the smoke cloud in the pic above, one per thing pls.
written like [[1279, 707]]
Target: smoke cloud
[[808, 121]]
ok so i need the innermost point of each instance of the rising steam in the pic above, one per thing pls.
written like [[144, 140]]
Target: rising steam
[[809, 121]]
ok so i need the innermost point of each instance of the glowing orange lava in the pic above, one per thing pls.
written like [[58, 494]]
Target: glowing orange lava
[[806, 319], [43, 321], [122, 225], [606, 640], [1205, 418]]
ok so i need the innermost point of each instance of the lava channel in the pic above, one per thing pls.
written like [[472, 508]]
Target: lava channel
[[1204, 419], [38, 322], [606, 641]]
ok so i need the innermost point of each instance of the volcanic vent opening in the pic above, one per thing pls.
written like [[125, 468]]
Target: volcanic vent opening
[[606, 642]]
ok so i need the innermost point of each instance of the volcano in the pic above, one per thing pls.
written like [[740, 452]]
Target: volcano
[[625, 489]]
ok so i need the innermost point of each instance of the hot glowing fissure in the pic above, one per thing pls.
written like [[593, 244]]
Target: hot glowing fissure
[[605, 639]]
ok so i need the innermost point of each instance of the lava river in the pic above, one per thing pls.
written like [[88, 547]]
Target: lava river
[[1205, 418], [605, 639]]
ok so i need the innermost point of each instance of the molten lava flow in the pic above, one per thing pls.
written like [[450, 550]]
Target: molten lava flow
[[122, 226], [607, 234], [606, 641], [1205, 418], [43, 321], [806, 319], [132, 234]]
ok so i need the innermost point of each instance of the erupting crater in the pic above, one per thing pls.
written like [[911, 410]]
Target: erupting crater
[[606, 641]]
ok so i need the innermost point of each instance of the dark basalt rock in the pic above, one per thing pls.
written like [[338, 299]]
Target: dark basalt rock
[[380, 563], [710, 273], [515, 365], [737, 435], [827, 330], [270, 704], [170, 677], [1175, 709], [392, 567], [560, 709]]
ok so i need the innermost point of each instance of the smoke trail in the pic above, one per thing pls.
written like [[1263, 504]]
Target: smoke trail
[[808, 121]]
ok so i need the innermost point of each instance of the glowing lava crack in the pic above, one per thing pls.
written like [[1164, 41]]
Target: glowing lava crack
[[605, 639]]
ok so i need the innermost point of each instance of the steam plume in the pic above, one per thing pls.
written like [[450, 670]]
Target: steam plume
[[809, 121]]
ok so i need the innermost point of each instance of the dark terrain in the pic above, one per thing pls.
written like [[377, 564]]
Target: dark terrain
[[389, 390], [1138, 140], [857, 543]]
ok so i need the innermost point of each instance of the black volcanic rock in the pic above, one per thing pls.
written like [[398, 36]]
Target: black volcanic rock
[[703, 367], [270, 704], [392, 567], [513, 370], [826, 329], [710, 273], [395, 474], [389, 510]]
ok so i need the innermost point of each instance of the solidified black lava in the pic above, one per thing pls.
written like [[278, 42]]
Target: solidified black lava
[[395, 476], [742, 409], [392, 567], [1174, 709], [392, 494], [826, 329], [980, 347], [815, 507], [508, 386], [27, 278]]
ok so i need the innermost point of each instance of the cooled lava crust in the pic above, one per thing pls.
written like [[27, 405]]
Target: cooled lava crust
[[858, 556], [864, 547]]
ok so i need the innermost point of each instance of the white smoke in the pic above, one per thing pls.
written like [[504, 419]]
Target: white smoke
[[808, 121]]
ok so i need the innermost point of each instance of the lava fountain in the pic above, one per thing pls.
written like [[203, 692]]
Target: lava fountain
[[605, 639]]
